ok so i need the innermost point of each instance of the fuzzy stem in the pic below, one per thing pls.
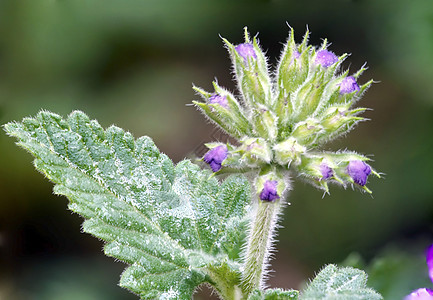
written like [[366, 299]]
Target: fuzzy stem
[[259, 244]]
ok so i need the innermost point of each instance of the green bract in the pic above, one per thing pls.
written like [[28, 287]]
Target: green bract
[[281, 118]]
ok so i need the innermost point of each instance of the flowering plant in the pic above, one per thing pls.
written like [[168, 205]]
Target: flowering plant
[[179, 226]]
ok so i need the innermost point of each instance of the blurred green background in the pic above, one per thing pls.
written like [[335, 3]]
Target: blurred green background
[[133, 62]]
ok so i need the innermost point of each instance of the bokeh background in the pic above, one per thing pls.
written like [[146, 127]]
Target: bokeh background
[[132, 63]]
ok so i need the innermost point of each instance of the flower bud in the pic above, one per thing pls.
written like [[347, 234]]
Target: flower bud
[[269, 191], [215, 156], [218, 99], [348, 85], [246, 50], [223, 108], [338, 119], [317, 170], [326, 171], [255, 151], [307, 131], [326, 58], [289, 151], [265, 123], [308, 97], [270, 186], [358, 171]]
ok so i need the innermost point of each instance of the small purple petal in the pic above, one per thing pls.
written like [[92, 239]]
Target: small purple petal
[[326, 58], [214, 166], [215, 156], [218, 99], [296, 54], [359, 171], [420, 294], [429, 259], [246, 50], [348, 85], [326, 171], [269, 192]]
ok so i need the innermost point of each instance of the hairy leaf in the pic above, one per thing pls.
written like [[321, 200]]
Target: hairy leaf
[[333, 283], [171, 224], [274, 294]]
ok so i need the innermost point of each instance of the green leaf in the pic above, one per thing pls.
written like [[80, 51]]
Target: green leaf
[[333, 283], [171, 224], [274, 294]]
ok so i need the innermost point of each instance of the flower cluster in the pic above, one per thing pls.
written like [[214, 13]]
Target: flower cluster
[[281, 120]]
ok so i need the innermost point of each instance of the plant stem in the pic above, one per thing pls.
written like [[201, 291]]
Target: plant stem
[[259, 244]]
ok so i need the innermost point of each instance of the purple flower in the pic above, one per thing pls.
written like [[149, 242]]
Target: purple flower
[[246, 50], [420, 294], [296, 54], [269, 192], [326, 58], [424, 293], [215, 156], [429, 260], [359, 171], [218, 99], [348, 85], [326, 171]]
